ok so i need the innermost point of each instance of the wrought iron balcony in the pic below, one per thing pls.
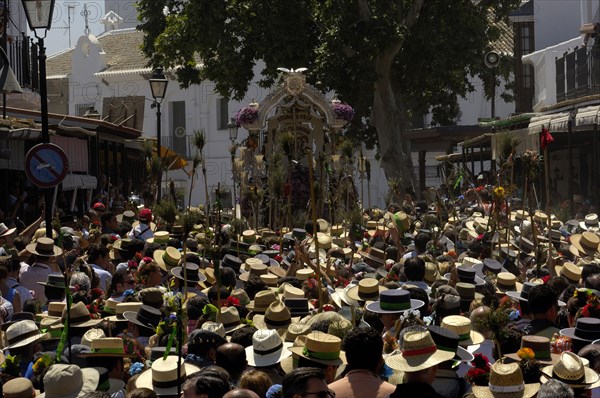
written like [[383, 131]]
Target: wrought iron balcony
[[22, 55], [578, 74]]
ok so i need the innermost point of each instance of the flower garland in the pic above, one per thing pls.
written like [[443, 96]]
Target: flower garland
[[479, 374]]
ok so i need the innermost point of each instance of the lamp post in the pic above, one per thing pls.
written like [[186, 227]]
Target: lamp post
[[158, 86], [233, 135], [39, 16]]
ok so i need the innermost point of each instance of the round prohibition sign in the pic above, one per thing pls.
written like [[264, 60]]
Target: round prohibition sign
[[46, 165]]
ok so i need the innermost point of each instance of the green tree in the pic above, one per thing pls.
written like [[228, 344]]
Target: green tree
[[391, 60]]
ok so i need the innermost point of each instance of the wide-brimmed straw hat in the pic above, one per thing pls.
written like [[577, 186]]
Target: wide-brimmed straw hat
[[321, 348], [590, 223], [447, 340], [461, 325], [162, 377], [569, 271], [584, 244], [91, 335], [277, 316], [44, 247], [111, 347], [22, 333], [507, 282], [541, 348], [167, 259], [418, 352], [367, 289], [69, 381], [262, 301], [131, 306], [79, 316], [267, 349], [5, 231], [230, 318], [506, 381], [393, 302], [160, 237], [146, 317], [19, 387], [253, 266], [570, 370]]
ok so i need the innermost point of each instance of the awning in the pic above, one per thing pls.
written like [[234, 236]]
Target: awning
[[173, 160], [554, 122], [79, 181], [587, 116]]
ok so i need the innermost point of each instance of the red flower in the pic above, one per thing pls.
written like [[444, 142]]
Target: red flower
[[328, 307], [481, 362], [147, 260], [233, 301], [545, 279]]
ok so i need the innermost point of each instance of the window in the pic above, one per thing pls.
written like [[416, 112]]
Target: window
[[223, 113], [178, 139], [524, 79]]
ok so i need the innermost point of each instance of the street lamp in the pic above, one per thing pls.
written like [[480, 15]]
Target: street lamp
[[158, 86], [39, 16], [233, 135]]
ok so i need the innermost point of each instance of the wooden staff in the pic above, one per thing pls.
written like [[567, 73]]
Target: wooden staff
[[313, 206]]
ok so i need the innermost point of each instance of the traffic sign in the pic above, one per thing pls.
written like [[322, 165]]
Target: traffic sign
[[46, 165]]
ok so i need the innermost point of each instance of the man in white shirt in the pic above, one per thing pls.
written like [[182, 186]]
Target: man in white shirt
[[99, 261], [143, 230], [45, 251]]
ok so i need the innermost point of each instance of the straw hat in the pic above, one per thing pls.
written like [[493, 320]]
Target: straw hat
[[91, 335], [44, 247], [305, 273], [162, 377], [462, 326], [506, 281], [19, 387], [291, 292], [506, 381], [418, 352], [584, 244], [167, 259], [277, 316], [590, 223], [79, 317], [249, 236], [5, 231], [321, 348], [374, 254], [21, 334], [107, 347], [267, 349], [54, 280], [540, 346], [401, 221], [230, 318], [570, 271], [518, 215], [256, 267], [69, 381], [367, 289], [295, 330], [160, 237], [394, 302], [269, 279], [570, 370], [262, 301], [121, 308], [152, 296], [215, 327]]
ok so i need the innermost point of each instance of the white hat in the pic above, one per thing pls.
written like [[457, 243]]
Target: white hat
[[267, 348], [69, 381]]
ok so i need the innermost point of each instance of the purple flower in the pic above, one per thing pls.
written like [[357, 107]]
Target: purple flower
[[247, 115], [343, 111]]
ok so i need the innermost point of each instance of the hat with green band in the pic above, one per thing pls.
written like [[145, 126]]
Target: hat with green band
[[321, 348], [107, 347], [394, 301], [541, 348], [462, 326]]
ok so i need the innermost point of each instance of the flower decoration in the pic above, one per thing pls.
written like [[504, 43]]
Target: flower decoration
[[210, 311], [479, 374], [500, 193], [343, 111], [136, 368], [526, 353], [232, 302], [560, 344], [42, 363], [246, 115]]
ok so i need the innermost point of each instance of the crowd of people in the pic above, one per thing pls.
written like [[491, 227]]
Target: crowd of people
[[423, 298]]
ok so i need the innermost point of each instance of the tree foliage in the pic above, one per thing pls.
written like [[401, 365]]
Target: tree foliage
[[392, 60]]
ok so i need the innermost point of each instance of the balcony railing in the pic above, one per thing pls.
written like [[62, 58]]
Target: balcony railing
[[22, 55], [578, 74], [184, 146]]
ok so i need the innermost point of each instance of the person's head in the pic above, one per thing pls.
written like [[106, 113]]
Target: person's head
[[242, 393], [212, 382], [150, 273], [592, 282], [243, 336], [304, 382], [591, 352], [228, 278], [121, 281], [363, 347], [543, 302], [109, 220], [254, 285], [257, 381], [97, 254], [80, 282], [416, 293], [232, 358], [194, 307], [554, 388], [142, 393], [205, 343], [212, 295], [421, 241], [414, 269]]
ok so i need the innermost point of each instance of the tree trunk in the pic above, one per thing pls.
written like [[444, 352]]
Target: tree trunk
[[389, 120]]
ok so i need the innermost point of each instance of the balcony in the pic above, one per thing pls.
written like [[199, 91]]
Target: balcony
[[22, 55], [184, 145], [577, 74]]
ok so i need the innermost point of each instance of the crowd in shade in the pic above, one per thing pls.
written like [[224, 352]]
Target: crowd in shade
[[418, 299]]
